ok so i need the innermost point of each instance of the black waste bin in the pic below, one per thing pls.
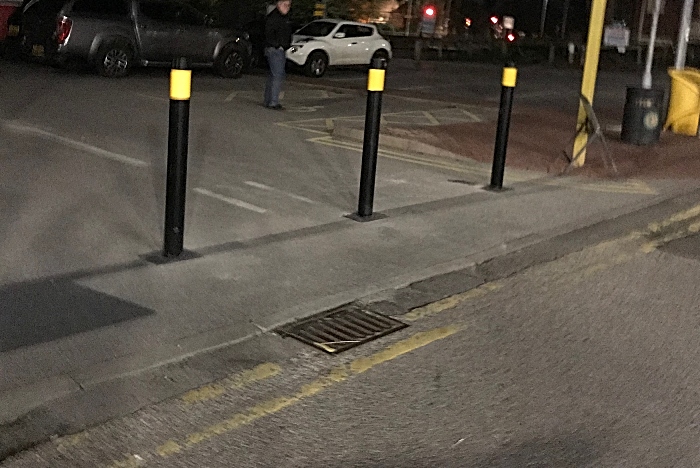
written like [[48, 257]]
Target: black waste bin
[[641, 122]]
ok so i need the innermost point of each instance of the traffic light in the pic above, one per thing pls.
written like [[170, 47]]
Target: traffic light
[[427, 23]]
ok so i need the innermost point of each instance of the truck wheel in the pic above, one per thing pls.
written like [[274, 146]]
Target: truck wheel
[[316, 64], [114, 59], [230, 62]]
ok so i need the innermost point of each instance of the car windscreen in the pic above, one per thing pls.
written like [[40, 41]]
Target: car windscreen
[[317, 29]]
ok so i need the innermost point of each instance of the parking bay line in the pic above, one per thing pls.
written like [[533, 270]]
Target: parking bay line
[[229, 200], [276, 190], [631, 187], [29, 130], [330, 141]]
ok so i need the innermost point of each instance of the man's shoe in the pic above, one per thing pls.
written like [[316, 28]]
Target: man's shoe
[[276, 107]]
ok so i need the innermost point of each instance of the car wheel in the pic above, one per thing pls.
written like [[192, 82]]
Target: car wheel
[[230, 62], [316, 64], [380, 54], [114, 59]]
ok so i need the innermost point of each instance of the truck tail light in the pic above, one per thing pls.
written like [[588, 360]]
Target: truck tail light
[[63, 27]]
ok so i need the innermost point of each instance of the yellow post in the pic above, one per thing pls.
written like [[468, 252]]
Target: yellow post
[[590, 72]]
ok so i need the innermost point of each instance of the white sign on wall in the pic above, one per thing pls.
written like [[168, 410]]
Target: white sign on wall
[[616, 35]]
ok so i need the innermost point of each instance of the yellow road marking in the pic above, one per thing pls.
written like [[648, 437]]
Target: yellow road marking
[[72, 440], [611, 262], [584, 272], [336, 375], [657, 228], [679, 234], [168, 448], [676, 218], [209, 392], [451, 302], [133, 461]]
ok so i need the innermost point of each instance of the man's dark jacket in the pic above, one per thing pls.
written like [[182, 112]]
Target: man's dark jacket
[[278, 30]]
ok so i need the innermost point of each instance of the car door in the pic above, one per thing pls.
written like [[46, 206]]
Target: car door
[[362, 49], [195, 40], [343, 45], [157, 29]]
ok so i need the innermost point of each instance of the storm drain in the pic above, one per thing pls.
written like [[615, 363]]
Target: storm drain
[[341, 329]]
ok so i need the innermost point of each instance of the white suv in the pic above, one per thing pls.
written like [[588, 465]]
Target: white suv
[[329, 42]]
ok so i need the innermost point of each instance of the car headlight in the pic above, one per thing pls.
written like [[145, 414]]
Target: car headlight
[[295, 48]]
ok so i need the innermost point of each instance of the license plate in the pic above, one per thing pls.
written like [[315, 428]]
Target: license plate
[[13, 30], [38, 50]]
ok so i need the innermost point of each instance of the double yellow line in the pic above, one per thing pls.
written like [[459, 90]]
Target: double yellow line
[[334, 376]]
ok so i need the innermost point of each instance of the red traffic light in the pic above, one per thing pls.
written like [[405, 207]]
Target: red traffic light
[[429, 10], [494, 19]]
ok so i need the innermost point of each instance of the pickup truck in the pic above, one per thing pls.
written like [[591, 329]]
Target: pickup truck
[[115, 35]]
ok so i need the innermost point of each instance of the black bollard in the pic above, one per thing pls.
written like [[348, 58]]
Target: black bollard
[[178, 127], [510, 74], [375, 88]]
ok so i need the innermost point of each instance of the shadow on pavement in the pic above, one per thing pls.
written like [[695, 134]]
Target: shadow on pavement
[[41, 311]]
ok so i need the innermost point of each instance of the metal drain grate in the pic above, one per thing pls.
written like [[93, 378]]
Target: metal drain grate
[[341, 329]]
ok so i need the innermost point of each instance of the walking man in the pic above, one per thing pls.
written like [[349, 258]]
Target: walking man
[[278, 38]]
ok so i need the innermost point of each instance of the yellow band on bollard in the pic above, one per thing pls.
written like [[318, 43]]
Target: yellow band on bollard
[[510, 76], [375, 81], [180, 84]]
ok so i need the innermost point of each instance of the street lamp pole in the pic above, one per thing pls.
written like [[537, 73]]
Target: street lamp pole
[[446, 19], [544, 17], [564, 18], [683, 34], [646, 79]]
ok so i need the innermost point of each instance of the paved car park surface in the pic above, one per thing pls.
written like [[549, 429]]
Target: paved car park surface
[[83, 188]]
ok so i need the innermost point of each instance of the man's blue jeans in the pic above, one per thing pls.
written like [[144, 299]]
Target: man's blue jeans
[[276, 59]]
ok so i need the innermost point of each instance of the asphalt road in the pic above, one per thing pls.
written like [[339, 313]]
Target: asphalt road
[[586, 360]]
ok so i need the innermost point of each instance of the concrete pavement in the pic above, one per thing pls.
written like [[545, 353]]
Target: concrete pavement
[[89, 326]]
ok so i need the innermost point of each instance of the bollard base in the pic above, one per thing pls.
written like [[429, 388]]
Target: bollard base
[[157, 258], [365, 219], [493, 188]]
